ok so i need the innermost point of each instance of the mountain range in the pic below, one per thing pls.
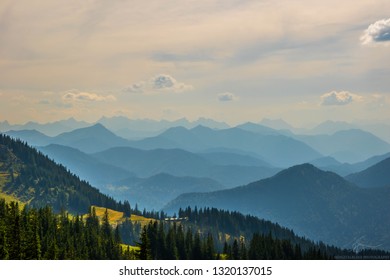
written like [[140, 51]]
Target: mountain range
[[88, 139], [177, 162], [50, 129], [350, 146], [278, 150], [85, 166], [317, 204], [274, 173]]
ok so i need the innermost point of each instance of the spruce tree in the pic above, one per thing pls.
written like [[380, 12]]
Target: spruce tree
[[144, 246]]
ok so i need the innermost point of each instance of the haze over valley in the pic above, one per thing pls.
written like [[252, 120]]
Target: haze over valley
[[247, 123]]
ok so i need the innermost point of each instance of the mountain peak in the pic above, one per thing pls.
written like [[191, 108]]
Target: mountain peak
[[201, 127], [276, 123], [303, 169], [98, 126]]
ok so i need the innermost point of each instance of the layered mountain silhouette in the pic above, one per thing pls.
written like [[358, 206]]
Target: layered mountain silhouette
[[377, 175], [320, 205], [207, 163], [88, 139], [146, 163], [50, 128], [350, 146], [85, 166], [279, 150], [344, 169]]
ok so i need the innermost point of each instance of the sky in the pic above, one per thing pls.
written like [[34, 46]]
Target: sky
[[230, 60]]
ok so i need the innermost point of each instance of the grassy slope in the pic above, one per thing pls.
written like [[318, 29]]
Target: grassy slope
[[4, 178], [116, 217]]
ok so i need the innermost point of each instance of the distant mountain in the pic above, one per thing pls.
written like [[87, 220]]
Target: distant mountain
[[90, 139], [350, 146], [5, 126], [85, 166], [230, 158], [258, 128], [277, 124], [138, 128], [278, 150], [325, 161], [377, 175], [331, 127], [50, 129], [156, 191], [320, 205], [32, 137], [382, 130], [344, 169], [146, 163], [34, 179]]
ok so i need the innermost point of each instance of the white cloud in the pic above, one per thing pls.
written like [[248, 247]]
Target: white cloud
[[227, 96], [377, 32], [86, 96], [339, 98], [159, 83]]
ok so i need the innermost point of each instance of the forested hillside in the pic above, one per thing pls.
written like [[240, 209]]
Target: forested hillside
[[31, 177]]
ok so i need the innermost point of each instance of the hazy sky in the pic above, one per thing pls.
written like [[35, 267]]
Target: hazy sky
[[231, 60]]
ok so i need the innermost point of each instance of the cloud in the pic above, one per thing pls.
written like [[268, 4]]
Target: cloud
[[86, 96], [377, 32], [339, 98], [159, 83], [227, 96]]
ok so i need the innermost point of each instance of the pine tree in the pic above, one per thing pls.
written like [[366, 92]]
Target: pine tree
[[171, 253], [144, 245], [235, 250], [161, 244], [197, 248], [3, 243], [180, 243], [209, 251], [14, 233]]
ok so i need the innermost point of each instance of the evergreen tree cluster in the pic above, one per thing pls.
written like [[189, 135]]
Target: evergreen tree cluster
[[171, 241], [37, 179], [235, 225], [161, 241], [32, 234]]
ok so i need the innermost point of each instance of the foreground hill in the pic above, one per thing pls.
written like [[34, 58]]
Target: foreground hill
[[320, 205], [31, 177], [377, 175]]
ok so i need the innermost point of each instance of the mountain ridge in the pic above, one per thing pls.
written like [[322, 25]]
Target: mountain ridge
[[315, 203]]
